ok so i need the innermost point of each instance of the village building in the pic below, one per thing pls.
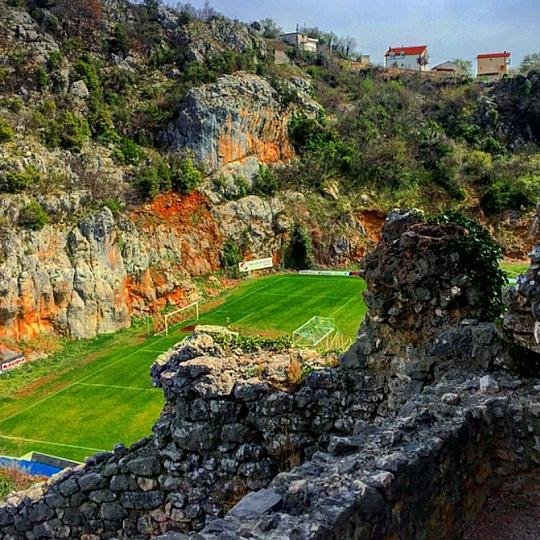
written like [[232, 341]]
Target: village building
[[492, 66], [446, 67], [301, 41], [415, 58]]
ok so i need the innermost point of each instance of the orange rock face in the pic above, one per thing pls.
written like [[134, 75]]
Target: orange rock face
[[238, 117]]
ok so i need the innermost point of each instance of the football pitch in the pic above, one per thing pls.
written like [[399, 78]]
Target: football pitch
[[104, 395]]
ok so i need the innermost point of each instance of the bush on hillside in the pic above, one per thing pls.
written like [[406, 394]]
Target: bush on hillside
[[185, 176], [41, 78], [511, 194], [266, 182], [33, 216], [230, 258], [68, 130], [6, 131], [18, 181]]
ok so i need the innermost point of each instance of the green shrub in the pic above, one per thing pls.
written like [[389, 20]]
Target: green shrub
[[16, 182], [185, 176], [250, 344], [13, 103], [113, 205], [242, 186], [266, 182], [299, 253], [6, 131], [511, 194], [154, 178], [87, 69], [120, 41], [230, 258], [68, 131], [41, 78], [55, 60], [128, 151], [6, 485], [103, 126], [33, 216]]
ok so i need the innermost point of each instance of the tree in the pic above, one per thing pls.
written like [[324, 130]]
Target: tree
[[270, 29], [464, 66], [530, 62], [208, 12], [345, 46]]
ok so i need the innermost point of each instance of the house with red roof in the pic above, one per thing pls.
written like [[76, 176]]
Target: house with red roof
[[413, 57], [492, 66]]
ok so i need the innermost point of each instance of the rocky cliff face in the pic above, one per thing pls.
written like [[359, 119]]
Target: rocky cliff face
[[237, 121], [204, 40], [89, 279]]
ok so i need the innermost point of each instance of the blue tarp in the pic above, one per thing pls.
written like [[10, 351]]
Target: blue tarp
[[33, 468]]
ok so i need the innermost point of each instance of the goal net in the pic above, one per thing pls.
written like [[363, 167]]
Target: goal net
[[163, 322], [314, 332]]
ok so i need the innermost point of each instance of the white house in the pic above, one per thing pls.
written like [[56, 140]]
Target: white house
[[301, 41], [415, 58]]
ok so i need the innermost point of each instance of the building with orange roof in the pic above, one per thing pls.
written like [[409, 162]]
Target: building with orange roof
[[414, 57]]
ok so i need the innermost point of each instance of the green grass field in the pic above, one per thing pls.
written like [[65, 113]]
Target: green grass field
[[97, 393], [514, 269]]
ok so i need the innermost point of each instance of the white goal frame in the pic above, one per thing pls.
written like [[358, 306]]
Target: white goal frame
[[314, 331], [166, 324]]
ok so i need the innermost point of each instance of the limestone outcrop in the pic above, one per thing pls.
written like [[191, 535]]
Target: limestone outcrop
[[233, 121], [89, 278], [204, 40]]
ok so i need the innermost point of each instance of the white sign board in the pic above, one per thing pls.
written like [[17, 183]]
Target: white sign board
[[12, 363], [257, 264]]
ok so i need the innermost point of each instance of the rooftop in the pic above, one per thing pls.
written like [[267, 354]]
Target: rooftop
[[494, 55], [412, 50]]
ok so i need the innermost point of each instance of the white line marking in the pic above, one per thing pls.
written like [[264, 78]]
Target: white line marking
[[23, 439], [244, 297], [153, 350], [245, 317], [120, 387], [294, 295], [342, 306], [76, 382]]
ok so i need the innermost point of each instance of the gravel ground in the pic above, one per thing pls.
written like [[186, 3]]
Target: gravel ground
[[511, 512]]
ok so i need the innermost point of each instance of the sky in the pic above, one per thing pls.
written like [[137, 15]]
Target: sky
[[450, 28]]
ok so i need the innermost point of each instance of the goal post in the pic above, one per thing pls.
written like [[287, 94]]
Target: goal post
[[314, 331], [164, 321]]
